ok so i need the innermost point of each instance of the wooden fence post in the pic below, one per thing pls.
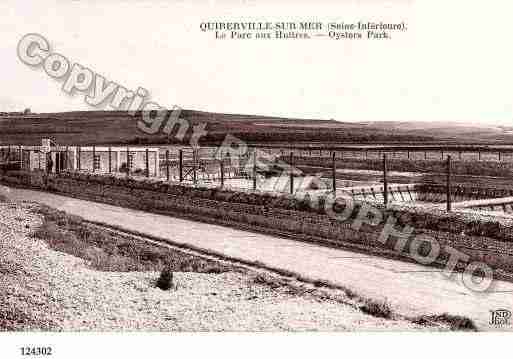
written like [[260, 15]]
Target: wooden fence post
[[127, 161], [180, 165], [334, 174], [167, 165], [94, 156], [56, 162], [291, 172], [448, 184], [194, 174], [110, 159], [79, 152], [65, 158], [254, 169], [147, 164], [221, 163], [240, 166], [385, 180]]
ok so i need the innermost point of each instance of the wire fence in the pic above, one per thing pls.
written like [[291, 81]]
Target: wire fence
[[278, 169]]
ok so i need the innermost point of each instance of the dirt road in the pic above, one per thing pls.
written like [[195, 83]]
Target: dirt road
[[411, 289]]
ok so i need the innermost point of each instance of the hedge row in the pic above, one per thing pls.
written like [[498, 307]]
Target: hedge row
[[415, 216]]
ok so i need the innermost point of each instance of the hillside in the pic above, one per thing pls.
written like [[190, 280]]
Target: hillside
[[466, 132], [99, 127]]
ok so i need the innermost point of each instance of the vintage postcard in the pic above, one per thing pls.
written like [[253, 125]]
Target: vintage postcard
[[254, 166]]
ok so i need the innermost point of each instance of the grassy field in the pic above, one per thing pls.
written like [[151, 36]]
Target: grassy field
[[109, 252], [117, 127]]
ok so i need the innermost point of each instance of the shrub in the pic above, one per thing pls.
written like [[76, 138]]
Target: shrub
[[376, 308], [321, 283], [268, 280], [165, 281]]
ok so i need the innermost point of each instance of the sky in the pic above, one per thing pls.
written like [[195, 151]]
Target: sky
[[453, 64]]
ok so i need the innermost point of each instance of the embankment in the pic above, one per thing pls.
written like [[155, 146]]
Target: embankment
[[482, 238]]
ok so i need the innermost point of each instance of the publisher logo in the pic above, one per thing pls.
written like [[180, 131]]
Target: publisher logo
[[500, 317]]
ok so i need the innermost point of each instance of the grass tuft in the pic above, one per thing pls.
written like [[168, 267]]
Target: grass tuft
[[376, 308], [455, 322], [108, 251], [269, 281], [322, 283]]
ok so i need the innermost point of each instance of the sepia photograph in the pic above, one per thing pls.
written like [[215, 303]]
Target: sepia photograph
[[205, 173]]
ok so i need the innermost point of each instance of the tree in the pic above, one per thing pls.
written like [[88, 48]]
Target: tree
[[26, 111]]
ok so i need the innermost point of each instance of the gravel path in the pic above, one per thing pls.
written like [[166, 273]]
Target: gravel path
[[48, 290]]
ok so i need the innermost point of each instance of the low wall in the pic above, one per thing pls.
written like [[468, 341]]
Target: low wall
[[504, 204], [433, 193], [489, 241], [396, 192]]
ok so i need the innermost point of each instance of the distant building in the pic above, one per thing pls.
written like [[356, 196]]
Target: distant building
[[100, 159]]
